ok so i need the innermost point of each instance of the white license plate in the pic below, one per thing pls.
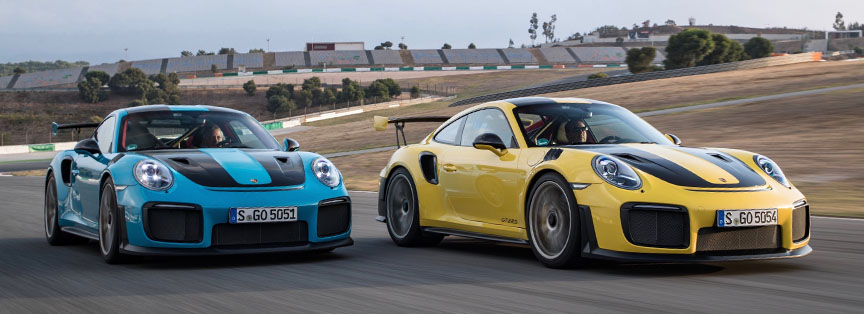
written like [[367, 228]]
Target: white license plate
[[746, 218], [239, 215]]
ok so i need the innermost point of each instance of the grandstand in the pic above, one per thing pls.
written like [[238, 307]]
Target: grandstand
[[519, 56], [599, 54], [249, 60], [290, 59], [339, 57], [153, 66], [5, 80], [473, 56], [196, 63], [427, 56], [48, 78], [558, 55], [386, 57]]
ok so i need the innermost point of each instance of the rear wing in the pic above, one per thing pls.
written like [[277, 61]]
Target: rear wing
[[77, 126], [381, 124]]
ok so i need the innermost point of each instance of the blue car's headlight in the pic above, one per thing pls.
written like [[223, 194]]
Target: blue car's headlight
[[616, 172], [153, 175], [771, 169], [326, 172]]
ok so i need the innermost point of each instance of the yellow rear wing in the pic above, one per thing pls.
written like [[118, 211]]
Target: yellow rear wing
[[381, 124]]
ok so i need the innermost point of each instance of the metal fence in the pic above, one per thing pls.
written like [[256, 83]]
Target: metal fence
[[716, 68]]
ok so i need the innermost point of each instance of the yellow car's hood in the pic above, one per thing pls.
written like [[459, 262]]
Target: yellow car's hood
[[683, 166]]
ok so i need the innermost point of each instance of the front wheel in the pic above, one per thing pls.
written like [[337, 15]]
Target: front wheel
[[53, 233], [553, 222], [403, 215], [109, 224]]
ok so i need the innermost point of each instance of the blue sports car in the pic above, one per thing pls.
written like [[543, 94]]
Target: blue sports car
[[193, 180]]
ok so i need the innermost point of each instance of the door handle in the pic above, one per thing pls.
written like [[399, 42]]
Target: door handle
[[74, 172], [449, 168]]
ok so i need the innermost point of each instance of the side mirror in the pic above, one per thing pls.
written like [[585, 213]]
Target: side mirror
[[491, 142], [673, 138], [290, 145], [88, 145]]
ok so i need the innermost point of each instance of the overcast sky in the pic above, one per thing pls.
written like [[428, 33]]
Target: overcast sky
[[98, 31]]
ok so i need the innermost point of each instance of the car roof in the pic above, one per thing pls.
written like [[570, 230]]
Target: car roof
[[152, 108], [534, 101]]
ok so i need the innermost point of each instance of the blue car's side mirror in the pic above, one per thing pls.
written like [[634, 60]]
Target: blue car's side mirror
[[290, 145]]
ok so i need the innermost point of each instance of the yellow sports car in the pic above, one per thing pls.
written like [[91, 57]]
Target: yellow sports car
[[581, 179]]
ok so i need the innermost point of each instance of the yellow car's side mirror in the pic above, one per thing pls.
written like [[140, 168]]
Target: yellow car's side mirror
[[380, 123], [674, 139]]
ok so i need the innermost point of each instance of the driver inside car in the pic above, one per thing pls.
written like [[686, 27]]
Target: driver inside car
[[572, 132], [212, 136]]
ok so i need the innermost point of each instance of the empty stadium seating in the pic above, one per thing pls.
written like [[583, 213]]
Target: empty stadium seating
[[250, 60], [110, 68], [557, 55], [340, 57], [426, 56], [196, 63], [600, 54], [517, 56], [48, 78], [473, 56], [153, 66], [290, 58], [386, 57], [4, 81]]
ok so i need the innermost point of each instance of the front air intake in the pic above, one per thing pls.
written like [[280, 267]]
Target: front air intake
[[715, 239], [801, 222], [334, 216], [259, 235], [173, 222], [656, 225]]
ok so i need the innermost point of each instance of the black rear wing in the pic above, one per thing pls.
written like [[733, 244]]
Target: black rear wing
[[77, 126], [381, 124]]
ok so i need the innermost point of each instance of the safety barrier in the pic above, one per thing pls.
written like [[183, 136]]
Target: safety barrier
[[741, 65]]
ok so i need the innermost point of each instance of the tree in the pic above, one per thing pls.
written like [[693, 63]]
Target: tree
[[285, 90], [722, 45], [511, 43], [403, 46], [214, 68], [277, 103], [311, 83], [446, 46], [303, 98], [250, 87], [839, 25], [258, 50], [90, 90], [226, 51], [688, 47], [859, 51], [186, 53], [204, 53], [639, 60], [19, 70], [386, 45], [619, 41], [99, 75], [670, 22], [758, 47], [393, 88], [329, 96], [127, 82], [736, 52], [575, 36], [607, 30], [378, 47], [379, 90], [472, 46], [532, 28], [549, 28], [415, 92], [351, 91]]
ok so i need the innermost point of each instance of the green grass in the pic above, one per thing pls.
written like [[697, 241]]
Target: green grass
[[19, 161]]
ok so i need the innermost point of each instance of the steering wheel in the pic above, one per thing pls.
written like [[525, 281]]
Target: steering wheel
[[609, 139], [224, 143]]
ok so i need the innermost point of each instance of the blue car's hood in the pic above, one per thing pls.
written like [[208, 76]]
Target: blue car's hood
[[229, 167]]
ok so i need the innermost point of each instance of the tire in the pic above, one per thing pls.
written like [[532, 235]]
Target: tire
[[109, 224], [53, 234], [553, 222], [403, 214]]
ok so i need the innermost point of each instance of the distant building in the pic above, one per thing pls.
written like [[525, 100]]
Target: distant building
[[843, 34], [353, 45]]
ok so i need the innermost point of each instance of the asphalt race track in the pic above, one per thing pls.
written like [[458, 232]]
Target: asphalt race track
[[375, 276]]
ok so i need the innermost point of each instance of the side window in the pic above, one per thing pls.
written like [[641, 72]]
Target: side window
[[448, 134], [105, 134], [244, 134], [488, 121]]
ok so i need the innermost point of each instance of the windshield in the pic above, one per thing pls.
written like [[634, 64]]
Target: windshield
[[192, 129], [576, 124]]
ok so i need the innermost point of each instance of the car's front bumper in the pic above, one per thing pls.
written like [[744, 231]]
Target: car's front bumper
[[127, 248]]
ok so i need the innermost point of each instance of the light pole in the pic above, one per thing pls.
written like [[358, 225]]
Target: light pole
[[268, 45], [126, 54]]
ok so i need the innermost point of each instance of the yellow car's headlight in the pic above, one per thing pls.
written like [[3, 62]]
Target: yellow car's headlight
[[771, 169], [616, 172]]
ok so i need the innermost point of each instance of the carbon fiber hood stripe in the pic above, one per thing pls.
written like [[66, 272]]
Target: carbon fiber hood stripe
[[284, 168]]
